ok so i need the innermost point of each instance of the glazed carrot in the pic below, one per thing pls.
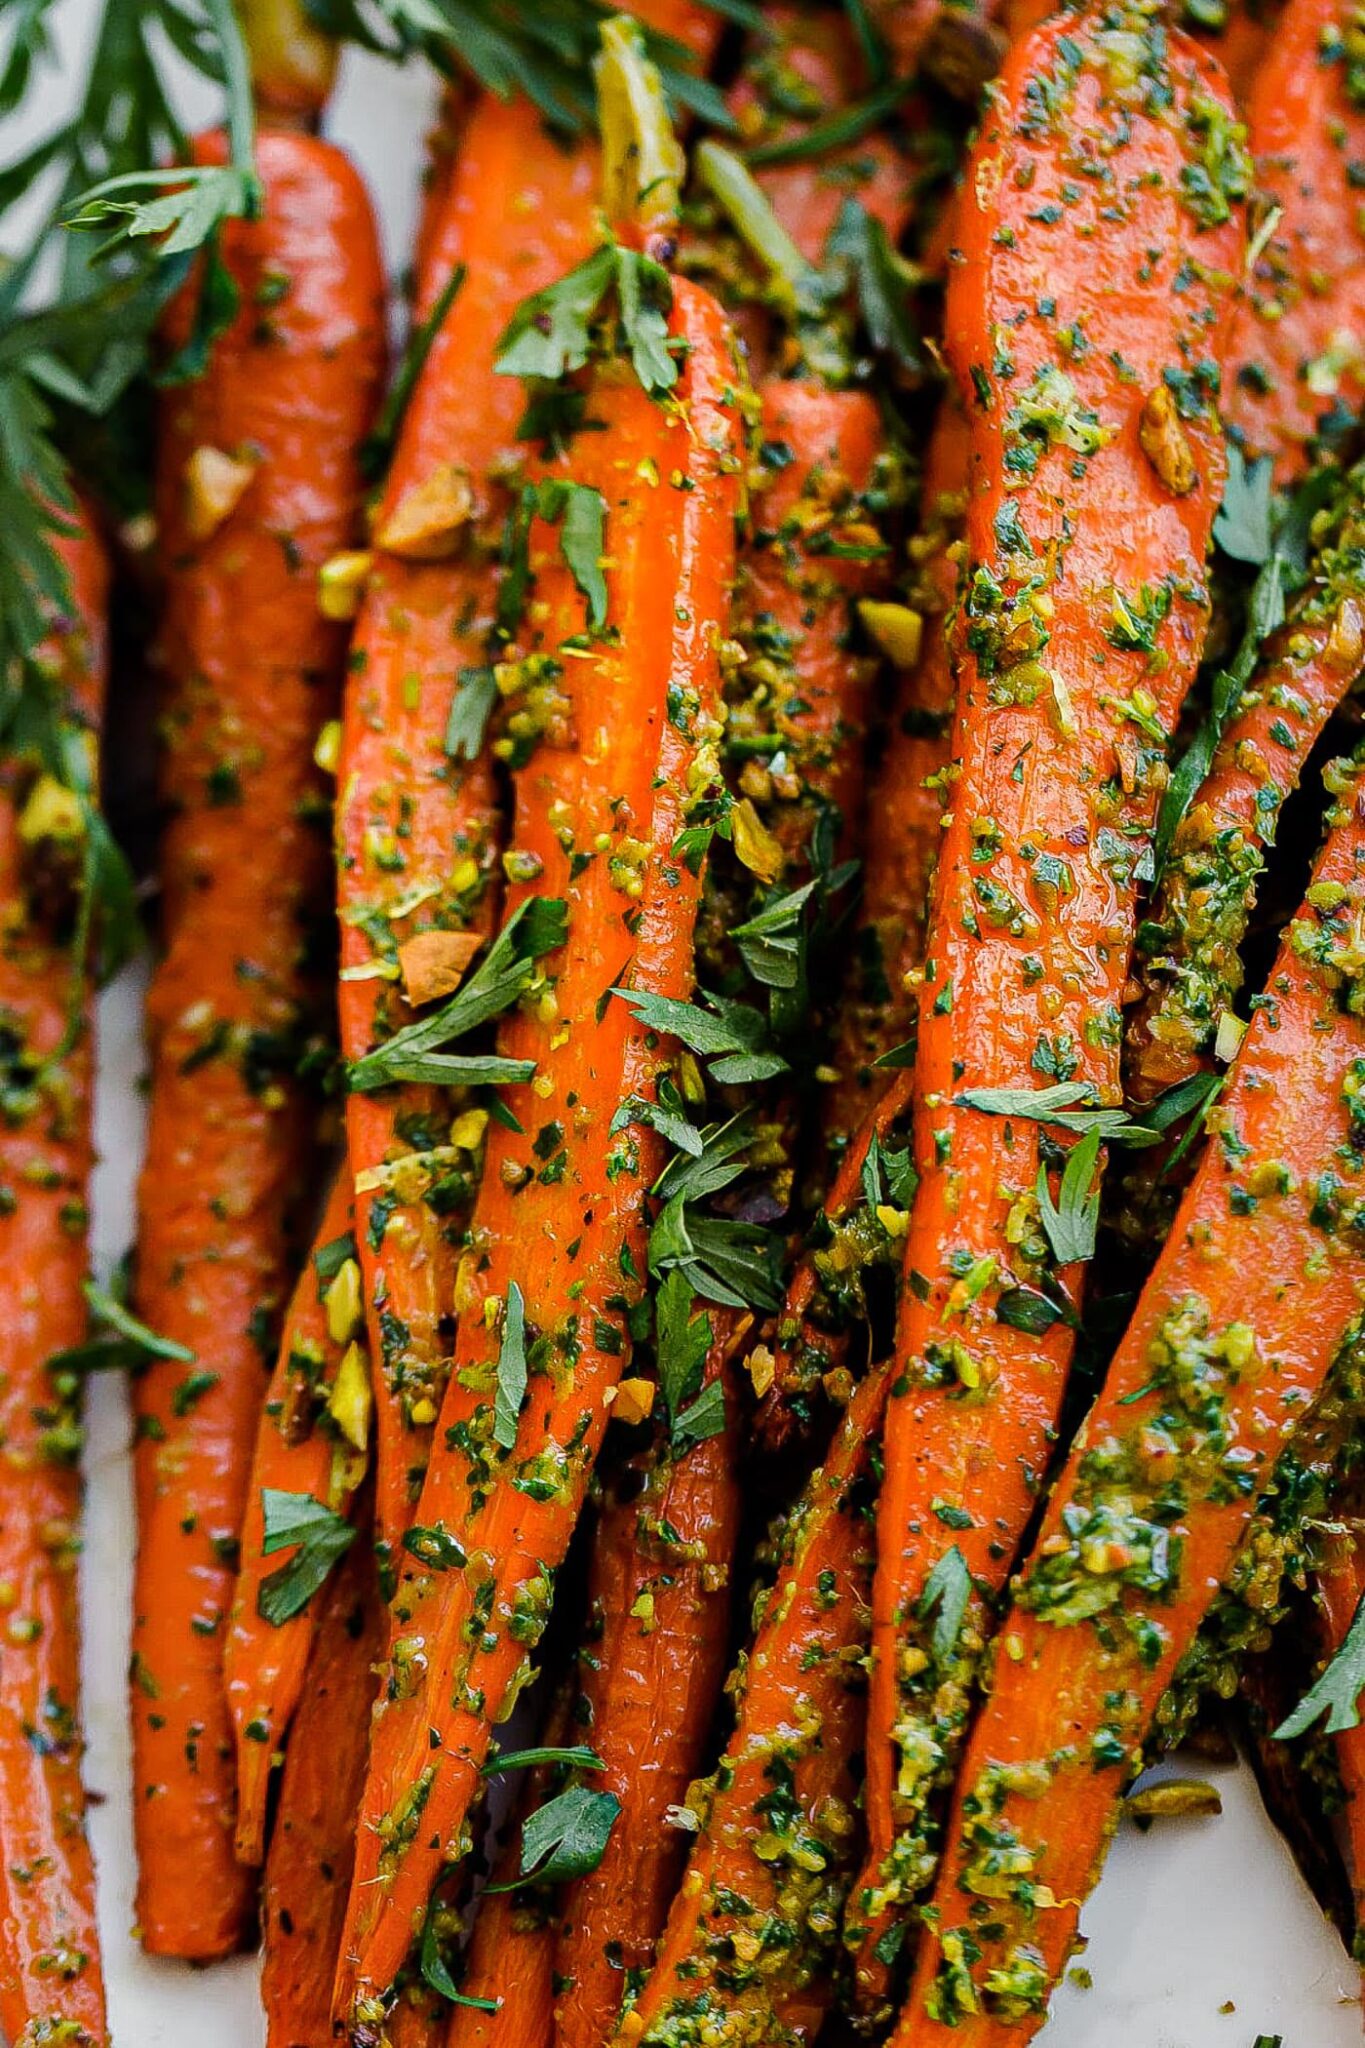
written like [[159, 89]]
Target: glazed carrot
[[301, 1449], [312, 1846], [257, 486], [825, 496], [418, 833], [1076, 639], [1239, 33], [1290, 361], [751, 1946], [617, 733], [1192, 940], [1254, 1293], [1340, 1586], [50, 1974]]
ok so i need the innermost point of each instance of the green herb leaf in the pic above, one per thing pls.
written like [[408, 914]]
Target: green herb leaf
[[1072, 1221], [671, 1124], [1337, 1692], [120, 1340], [550, 335], [476, 693], [859, 250], [1241, 527], [538, 926], [434, 1546], [771, 944], [1069, 1105], [511, 1389], [704, 1418], [435, 1970], [734, 1034], [947, 1588], [682, 1341], [1024, 1308], [567, 1837], [329, 1258], [322, 1536]]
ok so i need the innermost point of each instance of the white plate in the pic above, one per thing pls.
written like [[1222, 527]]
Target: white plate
[[1201, 1934]]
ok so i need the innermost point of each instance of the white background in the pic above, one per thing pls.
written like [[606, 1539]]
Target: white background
[[1190, 1918]]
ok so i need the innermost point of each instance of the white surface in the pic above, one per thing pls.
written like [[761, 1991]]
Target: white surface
[[1189, 1918]]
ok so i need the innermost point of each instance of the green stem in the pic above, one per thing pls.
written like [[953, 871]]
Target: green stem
[[643, 165], [241, 100], [735, 189]]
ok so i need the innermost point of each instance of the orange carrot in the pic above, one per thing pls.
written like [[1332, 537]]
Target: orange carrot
[[1078, 633], [418, 833], [1252, 1297], [258, 485], [50, 1974], [1340, 1585], [1193, 938], [1289, 361], [313, 1843], [751, 1946], [300, 1452], [619, 729]]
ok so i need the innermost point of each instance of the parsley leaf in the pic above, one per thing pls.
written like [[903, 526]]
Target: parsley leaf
[[512, 1377], [580, 512], [949, 1588], [434, 1546], [704, 1418], [860, 251], [1241, 526], [551, 333], [538, 926], [435, 1970], [476, 693], [682, 1341], [1068, 1105], [733, 1036], [734, 1264], [322, 1536], [1072, 1221], [567, 1837], [667, 1116], [1337, 1692], [771, 943]]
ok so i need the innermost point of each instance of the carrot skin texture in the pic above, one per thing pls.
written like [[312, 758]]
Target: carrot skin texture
[[735, 1965], [1033, 917], [49, 1947], [1305, 131], [264, 1663], [409, 818], [1243, 1314], [610, 762], [252, 671], [1194, 969], [1340, 1586]]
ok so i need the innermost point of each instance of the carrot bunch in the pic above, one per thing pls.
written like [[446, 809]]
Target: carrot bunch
[[723, 976]]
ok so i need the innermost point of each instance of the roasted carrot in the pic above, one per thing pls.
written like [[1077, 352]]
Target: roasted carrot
[[1290, 361], [751, 1947], [1239, 33], [617, 730], [309, 1445], [1076, 638], [418, 832], [1234, 1336], [51, 1983], [258, 485], [313, 1844], [1340, 1586], [1191, 954]]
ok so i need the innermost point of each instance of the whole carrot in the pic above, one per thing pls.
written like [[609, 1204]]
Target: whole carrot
[[258, 485], [310, 1448], [750, 1950], [616, 671], [1291, 362], [50, 1976], [1255, 1292], [1077, 636], [418, 830]]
